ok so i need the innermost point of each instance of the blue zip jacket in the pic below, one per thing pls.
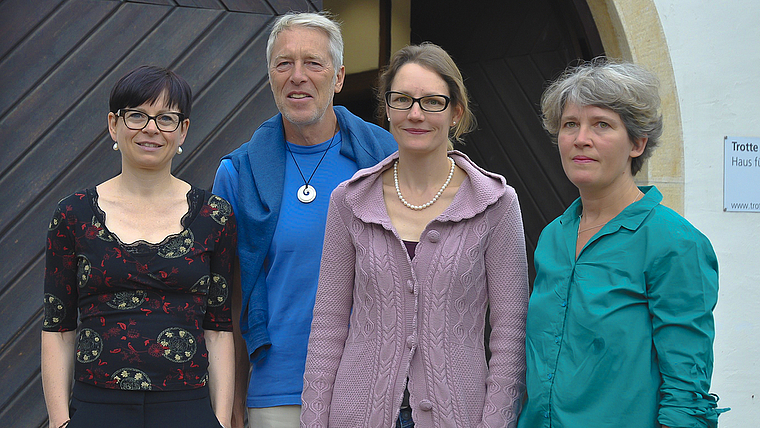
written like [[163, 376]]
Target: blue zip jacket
[[260, 164]]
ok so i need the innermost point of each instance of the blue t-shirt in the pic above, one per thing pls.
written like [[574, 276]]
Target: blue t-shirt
[[292, 268]]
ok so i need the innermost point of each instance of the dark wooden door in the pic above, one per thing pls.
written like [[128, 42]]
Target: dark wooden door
[[507, 50], [58, 62]]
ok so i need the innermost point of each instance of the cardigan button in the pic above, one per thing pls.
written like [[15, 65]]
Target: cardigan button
[[426, 405], [434, 236], [410, 285], [411, 341]]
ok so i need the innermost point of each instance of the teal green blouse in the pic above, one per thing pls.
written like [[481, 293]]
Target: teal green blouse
[[622, 336]]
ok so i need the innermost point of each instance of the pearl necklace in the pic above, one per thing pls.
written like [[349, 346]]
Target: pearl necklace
[[435, 198]]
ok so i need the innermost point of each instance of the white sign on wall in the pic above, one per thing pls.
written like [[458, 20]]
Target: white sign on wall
[[741, 174]]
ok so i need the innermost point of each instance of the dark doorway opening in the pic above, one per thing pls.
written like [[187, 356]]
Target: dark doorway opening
[[507, 51]]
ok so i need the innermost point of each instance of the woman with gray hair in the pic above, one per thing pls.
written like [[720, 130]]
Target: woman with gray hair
[[620, 325]]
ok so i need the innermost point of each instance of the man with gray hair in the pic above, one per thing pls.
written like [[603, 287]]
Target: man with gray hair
[[279, 184]]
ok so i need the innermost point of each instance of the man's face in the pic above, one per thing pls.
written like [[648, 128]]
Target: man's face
[[302, 75]]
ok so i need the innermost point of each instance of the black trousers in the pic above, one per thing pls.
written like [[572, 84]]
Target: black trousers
[[93, 407]]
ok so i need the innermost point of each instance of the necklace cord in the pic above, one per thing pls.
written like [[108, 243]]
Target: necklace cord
[[602, 224], [329, 146]]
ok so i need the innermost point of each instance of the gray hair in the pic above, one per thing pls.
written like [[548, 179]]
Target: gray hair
[[623, 87], [317, 21]]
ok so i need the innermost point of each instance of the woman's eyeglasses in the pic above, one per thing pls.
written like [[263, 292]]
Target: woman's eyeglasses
[[430, 103], [136, 120]]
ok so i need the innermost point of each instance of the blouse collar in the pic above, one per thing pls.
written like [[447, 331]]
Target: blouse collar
[[480, 189]]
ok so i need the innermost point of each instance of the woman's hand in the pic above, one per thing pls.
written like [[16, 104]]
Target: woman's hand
[[57, 371], [242, 361], [221, 373]]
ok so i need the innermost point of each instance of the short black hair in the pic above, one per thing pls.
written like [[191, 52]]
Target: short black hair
[[146, 84]]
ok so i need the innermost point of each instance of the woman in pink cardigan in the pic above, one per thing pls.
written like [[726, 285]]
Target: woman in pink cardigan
[[416, 248]]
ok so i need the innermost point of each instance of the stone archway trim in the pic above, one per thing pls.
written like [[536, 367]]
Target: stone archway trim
[[632, 30]]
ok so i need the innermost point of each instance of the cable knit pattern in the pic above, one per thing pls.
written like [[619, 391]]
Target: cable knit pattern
[[380, 317]]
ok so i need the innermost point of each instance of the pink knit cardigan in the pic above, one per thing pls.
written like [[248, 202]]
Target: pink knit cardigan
[[380, 317]]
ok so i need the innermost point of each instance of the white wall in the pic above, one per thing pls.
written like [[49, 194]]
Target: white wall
[[715, 49]]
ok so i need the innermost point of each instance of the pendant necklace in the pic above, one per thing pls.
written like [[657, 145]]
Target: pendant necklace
[[307, 192]]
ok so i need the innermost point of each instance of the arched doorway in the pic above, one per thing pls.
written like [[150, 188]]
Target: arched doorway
[[507, 51]]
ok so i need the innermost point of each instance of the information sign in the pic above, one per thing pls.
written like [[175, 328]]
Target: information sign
[[741, 174]]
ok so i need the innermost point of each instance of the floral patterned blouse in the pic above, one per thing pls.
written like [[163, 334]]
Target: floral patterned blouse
[[142, 307]]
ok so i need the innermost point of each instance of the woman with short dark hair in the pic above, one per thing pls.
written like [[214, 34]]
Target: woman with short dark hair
[[144, 260]]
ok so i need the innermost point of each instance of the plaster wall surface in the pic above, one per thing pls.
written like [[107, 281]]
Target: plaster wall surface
[[715, 52], [360, 25]]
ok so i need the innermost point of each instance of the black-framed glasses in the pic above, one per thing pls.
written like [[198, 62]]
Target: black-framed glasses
[[136, 120], [430, 103]]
